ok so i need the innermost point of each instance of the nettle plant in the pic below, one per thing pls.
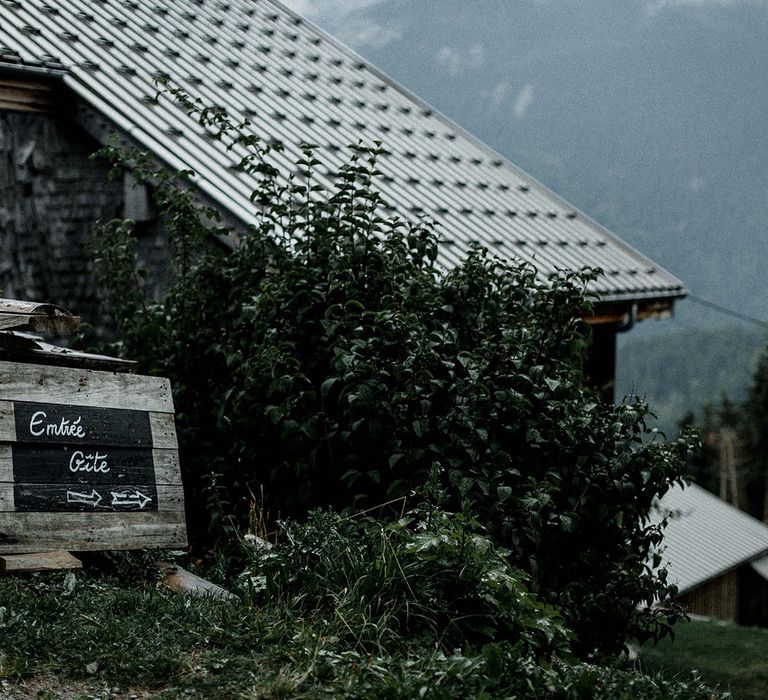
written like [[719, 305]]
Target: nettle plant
[[329, 360]]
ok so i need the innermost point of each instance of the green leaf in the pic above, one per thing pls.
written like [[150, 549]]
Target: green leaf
[[503, 493], [327, 386]]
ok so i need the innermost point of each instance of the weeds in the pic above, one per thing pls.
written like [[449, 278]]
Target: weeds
[[440, 582]]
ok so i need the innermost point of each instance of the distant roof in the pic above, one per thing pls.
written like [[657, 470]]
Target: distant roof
[[708, 537], [298, 85]]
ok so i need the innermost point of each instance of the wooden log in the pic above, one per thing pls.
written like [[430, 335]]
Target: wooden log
[[38, 561], [182, 581]]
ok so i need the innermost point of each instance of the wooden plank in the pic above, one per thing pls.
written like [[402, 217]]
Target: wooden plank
[[85, 498], [167, 468], [163, 427], [39, 322], [7, 422], [84, 387], [38, 561], [82, 464], [23, 347], [45, 532], [7, 498], [6, 479], [26, 96], [52, 499]]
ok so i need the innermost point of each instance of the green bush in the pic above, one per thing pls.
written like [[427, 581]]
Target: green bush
[[329, 359]]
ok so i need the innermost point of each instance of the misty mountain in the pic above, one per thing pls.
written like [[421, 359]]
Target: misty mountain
[[651, 116]]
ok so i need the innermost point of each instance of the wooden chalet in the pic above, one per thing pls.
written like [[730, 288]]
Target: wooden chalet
[[73, 73], [717, 556]]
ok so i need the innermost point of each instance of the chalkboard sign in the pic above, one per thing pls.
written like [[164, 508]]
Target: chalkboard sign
[[88, 460]]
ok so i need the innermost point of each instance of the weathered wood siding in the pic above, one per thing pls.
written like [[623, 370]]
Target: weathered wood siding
[[51, 194], [717, 598]]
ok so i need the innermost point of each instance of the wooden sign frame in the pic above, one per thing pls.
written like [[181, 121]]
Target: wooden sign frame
[[88, 461]]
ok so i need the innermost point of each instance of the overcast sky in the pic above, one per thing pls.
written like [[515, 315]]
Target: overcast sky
[[318, 9]]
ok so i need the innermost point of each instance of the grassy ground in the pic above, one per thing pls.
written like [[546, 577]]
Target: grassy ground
[[119, 636], [92, 637], [95, 636], [728, 656]]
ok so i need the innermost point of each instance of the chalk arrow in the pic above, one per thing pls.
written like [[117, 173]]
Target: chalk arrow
[[92, 499], [130, 497]]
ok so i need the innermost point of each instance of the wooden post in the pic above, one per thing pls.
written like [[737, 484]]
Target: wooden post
[[600, 366]]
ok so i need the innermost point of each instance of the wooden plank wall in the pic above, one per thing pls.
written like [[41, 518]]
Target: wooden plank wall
[[716, 598], [95, 530]]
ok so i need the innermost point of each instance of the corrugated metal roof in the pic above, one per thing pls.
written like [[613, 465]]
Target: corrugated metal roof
[[298, 85], [707, 537]]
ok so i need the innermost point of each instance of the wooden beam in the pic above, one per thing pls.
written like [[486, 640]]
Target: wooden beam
[[27, 96], [621, 312]]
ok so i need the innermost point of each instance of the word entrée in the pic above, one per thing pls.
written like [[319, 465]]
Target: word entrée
[[65, 428]]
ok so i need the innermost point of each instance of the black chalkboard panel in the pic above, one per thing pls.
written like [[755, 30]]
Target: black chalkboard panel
[[84, 498], [81, 464], [54, 423]]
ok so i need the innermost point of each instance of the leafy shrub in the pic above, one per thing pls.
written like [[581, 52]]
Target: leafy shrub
[[330, 359]]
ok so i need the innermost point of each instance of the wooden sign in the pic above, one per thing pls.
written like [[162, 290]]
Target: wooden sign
[[88, 460]]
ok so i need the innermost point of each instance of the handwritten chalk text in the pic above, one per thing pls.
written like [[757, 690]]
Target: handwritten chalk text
[[94, 462], [65, 428]]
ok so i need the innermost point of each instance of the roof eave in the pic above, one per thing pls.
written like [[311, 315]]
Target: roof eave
[[733, 567]]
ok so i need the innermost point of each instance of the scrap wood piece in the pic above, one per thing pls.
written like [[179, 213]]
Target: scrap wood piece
[[34, 316], [38, 561], [182, 581], [17, 346]]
